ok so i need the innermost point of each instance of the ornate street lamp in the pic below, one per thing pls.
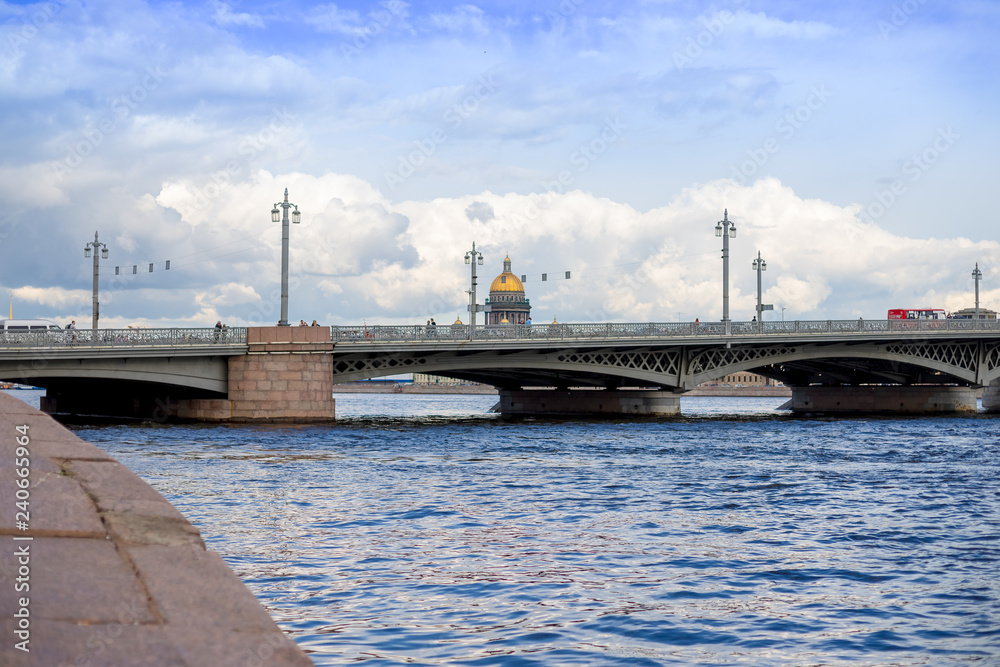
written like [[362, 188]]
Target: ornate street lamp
[[727, 230], [758, 266], [977, 275], [95, 246], [474, 258], [296, 218]]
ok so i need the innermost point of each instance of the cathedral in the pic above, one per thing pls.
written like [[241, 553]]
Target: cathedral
[[507, 304]]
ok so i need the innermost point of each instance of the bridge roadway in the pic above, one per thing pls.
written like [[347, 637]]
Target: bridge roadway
[[281, 374]]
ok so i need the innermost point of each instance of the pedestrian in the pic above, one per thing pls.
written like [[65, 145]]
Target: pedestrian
[[315, 324], [218, 330], [302, 323], [71, 325]]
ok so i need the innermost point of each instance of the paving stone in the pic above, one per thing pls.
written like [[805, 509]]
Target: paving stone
[[194, 587], [58, 643], [111, 483], [57, 504], [77, 579], [129, 528], [223, 647]]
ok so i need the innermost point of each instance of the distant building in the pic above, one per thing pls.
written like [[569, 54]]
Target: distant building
[[970, 314], [507, 304], [426, 378], [743, 379]]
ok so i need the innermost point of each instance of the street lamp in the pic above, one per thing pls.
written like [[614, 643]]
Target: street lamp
[[977, 275], [758, 266], [296, 218], [103, 255], [474, 258], [727, 230]]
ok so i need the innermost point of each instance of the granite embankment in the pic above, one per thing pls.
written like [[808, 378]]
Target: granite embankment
[[97, 568]]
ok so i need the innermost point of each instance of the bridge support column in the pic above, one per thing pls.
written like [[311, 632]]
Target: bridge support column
[[922, 399], [588, 403], [991, 397], [286, 377]]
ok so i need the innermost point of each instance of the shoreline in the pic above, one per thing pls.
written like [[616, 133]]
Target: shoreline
[[390, 387]]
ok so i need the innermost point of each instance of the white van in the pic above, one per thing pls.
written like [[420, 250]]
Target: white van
[[28, 325]]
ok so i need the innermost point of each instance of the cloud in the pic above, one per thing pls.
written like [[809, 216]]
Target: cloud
[[387, 262], [763, 26], [463, 18], [225, 16], [479, 211]]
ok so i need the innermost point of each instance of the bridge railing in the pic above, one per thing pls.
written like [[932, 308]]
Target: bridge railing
[[653, 330], [132, 337]]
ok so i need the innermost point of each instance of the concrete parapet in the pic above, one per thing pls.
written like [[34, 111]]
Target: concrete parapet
[[112, 573], [914, 399], [264, 335], [589, 403]]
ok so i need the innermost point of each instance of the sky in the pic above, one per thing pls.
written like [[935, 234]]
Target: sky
[[853, 145]]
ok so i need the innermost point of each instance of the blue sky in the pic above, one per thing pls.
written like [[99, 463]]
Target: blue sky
[[853, 143]]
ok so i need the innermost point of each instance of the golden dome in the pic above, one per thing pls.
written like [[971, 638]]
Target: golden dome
[[506, 281], [458, 320]]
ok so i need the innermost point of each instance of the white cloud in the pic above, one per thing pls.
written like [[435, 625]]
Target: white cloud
[[54, 297], [403, 263], [767, 27], [225, 16]]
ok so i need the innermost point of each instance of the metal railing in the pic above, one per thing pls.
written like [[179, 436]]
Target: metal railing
[[61, 338], [651, 330], [54, 338]]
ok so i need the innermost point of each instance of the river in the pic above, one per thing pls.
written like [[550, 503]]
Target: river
[[423, 530]]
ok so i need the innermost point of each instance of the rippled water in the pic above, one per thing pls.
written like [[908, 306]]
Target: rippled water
[[421, 530]]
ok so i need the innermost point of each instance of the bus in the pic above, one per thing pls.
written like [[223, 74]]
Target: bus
[[917, 314]]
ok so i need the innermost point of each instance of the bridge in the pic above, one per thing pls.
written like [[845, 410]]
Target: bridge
[[287, 373]]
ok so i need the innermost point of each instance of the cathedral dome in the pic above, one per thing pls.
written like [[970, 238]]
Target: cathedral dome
[[506, 281]]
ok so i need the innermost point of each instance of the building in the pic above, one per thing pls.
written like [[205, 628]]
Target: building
[[506, 304], [744, 379], [970, 314]]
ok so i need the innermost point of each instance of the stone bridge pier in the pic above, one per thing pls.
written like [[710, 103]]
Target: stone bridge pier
[[286, 376], [991, 396]]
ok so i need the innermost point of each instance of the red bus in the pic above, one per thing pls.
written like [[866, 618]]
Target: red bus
[[917, 314]]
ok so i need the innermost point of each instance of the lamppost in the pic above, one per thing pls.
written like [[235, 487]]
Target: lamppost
[[977, 275], [103, 247], [758, 266], [474, 258], [296, 218], [727, 230]]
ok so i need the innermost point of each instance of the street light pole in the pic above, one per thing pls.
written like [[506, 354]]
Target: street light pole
[[758, 266], [977, 275], [474, 258], [95, 246], [296, 219], [726, 229]]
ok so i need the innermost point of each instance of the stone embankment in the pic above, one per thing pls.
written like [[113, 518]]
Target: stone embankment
[[388, 387], [97, 568]]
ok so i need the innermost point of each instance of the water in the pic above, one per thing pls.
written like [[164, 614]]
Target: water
[[422, 530]]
